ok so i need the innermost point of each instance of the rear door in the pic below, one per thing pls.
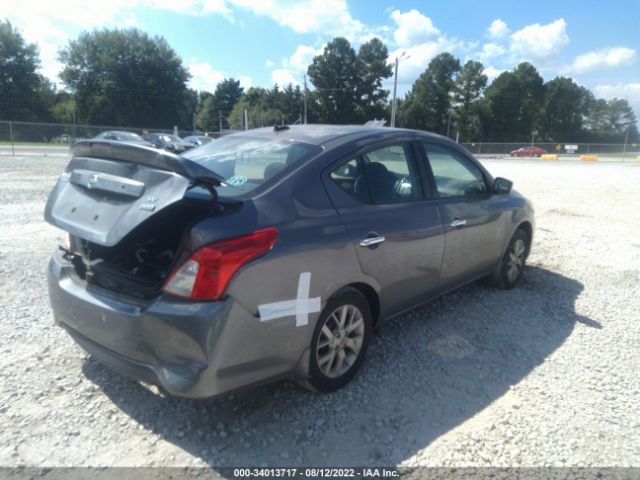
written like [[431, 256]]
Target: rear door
[[472, 217], [396, 230]]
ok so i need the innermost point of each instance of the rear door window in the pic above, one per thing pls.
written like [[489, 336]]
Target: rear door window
[[350, 177], [384, 175]]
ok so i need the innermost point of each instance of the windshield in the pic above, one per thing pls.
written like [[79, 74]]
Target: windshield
[[246, 163]]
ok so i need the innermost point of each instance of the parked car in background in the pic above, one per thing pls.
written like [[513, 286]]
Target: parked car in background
[[198, 140], [528, 152], [120, 136], [271, 253], [64, 138], [170, 143]]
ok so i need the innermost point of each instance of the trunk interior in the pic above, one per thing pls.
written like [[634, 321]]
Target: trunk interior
[[139, 264]]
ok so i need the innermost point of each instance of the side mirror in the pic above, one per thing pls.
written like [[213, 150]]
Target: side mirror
[[502, 186]]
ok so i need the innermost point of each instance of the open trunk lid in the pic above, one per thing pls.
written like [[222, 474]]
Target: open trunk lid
[[109, 188]]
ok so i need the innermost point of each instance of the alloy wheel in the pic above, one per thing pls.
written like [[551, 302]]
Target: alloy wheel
[[515, 259], [340, 341]]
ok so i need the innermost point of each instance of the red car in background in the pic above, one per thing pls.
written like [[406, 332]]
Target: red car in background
[[528, 152]]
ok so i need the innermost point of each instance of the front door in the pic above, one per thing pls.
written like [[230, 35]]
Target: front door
[[472, 217]]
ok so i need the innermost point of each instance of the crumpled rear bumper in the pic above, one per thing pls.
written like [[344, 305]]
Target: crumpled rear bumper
[[190, 349]]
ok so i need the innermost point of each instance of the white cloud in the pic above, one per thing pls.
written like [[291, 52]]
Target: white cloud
[[130, 20], [491, 73], [269, 63], [417, 40], [491, 51], [605, 58], [325, 17], [540, 43], [302, 57], [204, 76], [295, 66], [217, 7], [284, 76], [498, 29], [416, 58], [412, 28], [245, 81], [189, 7], [43, 22], [628, 91]]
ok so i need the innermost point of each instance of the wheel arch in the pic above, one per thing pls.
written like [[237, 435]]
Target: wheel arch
[[372, 297], [527, 228]]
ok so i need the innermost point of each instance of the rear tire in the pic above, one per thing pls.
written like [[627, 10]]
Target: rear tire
[[513, 261], [340, 340]]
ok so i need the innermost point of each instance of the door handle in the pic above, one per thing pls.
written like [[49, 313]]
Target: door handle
[[370, 241], [458, 222]]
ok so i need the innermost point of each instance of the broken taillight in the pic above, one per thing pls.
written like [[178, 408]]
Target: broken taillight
[[206, 274]]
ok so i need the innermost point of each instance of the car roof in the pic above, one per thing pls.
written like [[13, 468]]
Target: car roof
[[119, 131], [332, 134], [163, 134]]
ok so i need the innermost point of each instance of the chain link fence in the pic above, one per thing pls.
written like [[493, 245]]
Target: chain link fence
[[27, 138], [612, 151]]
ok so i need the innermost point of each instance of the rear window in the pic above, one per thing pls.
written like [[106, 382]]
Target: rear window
[[130, 137], [249, 162]]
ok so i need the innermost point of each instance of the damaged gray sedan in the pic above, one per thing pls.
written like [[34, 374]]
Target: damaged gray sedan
[[272, 253]]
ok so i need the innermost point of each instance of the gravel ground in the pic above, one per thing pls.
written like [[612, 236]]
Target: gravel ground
[[545, 374]]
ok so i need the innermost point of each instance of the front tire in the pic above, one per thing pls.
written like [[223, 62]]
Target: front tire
[[340, 340], [513, 261]]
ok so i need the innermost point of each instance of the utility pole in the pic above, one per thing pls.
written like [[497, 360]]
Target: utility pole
[[449, 123], [220, 119], [246, 119], [13, 148], [533, 133], [393, 104], [395, 87], [73, 117], [305, 98], [626, 139], [194, 123]]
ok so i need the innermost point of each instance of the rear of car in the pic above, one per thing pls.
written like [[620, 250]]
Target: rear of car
[[528, 152], [119, 136], [170, 143], [198, 140], [154, 279]]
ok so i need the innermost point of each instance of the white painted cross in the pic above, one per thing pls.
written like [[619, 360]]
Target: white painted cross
[[301, 306]]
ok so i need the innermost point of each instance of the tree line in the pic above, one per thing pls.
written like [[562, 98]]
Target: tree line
[[124, 77]]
